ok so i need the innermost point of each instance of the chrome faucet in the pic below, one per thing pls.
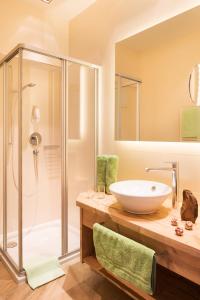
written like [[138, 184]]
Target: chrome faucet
[[174, 170]]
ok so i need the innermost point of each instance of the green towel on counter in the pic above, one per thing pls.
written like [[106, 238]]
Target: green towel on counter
[[107, 169], [101, 169], [190, 122], [111, 171], [125, 258], [40, 270]]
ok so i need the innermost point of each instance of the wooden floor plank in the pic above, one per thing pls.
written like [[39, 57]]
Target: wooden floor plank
[[81, 283]]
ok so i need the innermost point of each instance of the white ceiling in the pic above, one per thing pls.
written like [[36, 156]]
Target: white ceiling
[[64, 9]]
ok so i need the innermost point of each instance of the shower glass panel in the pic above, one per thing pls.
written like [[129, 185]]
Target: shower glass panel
[[1, 156], [81, 145], [41, 148], [12, 151]]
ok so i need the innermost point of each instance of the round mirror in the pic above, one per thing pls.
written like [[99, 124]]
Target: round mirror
[[194, 85]]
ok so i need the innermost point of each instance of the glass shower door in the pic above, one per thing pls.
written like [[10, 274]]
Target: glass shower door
[[41, 150]]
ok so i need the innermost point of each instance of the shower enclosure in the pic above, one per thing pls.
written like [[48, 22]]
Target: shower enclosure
[[48, 107]]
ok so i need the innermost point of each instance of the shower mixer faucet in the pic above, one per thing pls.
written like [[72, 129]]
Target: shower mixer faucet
[[35, 140]]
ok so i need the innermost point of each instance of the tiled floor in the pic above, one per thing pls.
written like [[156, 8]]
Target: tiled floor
[[80, 283]]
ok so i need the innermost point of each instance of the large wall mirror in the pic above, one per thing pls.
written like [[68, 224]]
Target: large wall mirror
[[157, 82]]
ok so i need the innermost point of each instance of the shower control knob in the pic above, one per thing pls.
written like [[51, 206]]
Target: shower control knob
[[35, 139]]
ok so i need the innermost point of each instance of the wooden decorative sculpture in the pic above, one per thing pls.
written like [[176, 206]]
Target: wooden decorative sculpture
[[189, 209]]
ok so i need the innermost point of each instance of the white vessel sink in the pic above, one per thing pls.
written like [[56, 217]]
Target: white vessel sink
[[140, 196]]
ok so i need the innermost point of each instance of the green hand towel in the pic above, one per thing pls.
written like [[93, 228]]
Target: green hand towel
[[190, 123], [101, 169], [125, 258], [111, 171]]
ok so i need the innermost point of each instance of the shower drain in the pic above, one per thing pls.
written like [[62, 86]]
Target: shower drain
[[11, 244]]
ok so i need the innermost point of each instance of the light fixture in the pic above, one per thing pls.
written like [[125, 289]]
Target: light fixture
[[47, 1]]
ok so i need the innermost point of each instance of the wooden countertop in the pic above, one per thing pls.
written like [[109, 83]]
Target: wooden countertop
[[156, 226]]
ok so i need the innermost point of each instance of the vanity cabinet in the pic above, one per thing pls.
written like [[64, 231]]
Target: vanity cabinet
[[178, 258]]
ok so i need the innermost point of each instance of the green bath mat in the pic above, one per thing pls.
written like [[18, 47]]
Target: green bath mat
[[40, 270]]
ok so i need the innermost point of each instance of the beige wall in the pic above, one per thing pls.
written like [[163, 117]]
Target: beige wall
[[92, 36], [26, 22]]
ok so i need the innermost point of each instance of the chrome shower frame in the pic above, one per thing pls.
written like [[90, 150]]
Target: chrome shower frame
[[17, 270]]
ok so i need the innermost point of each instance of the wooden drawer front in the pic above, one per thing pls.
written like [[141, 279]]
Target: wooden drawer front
[[89, 217]]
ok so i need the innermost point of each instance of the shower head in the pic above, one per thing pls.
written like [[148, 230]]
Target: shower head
[[31, 84]]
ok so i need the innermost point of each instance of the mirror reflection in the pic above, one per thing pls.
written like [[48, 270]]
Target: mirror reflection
[[165, 106], [127, 107], [194, 85]]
